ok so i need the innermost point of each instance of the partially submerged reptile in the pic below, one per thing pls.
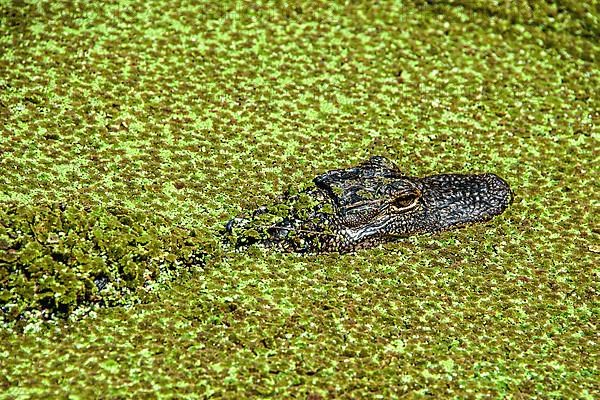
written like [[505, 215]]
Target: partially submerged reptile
[[370, 204]]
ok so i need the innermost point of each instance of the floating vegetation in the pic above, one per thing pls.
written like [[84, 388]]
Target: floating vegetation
[[55, 258]]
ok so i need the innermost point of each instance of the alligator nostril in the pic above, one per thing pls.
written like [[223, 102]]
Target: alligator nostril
[[504, 188], [500, 187]]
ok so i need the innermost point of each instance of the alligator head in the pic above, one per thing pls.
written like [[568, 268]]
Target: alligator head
[[369, 204]]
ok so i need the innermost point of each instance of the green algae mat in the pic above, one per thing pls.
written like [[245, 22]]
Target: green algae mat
[[131, 131]]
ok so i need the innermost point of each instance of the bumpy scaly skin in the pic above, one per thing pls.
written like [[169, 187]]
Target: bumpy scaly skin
[[370, 204]]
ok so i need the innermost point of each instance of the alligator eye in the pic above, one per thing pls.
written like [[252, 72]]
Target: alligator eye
[[405, 202]]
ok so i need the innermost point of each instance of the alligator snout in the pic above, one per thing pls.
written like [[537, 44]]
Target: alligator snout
[[455, 200]]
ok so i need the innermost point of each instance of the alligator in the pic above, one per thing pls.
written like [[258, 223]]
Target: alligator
[[367, 205]]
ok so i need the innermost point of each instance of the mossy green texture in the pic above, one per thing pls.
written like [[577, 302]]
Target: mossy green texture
[[55, 258], [197, 111]]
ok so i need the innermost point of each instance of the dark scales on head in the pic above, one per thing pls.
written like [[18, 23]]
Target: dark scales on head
[[369, 204]]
